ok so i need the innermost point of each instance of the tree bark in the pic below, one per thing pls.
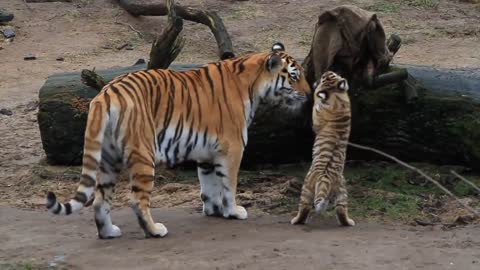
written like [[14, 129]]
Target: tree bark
[[441, 125], [92, 79], [208, 18], [167, 45]]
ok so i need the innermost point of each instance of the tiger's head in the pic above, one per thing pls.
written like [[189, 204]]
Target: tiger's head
[[331, 101], [285, 85]]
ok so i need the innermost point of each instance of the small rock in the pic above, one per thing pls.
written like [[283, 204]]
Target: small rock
[[139, 62], [276, 250], [129, 48], [60, 59], [29, 56], [5, 16], [8, 33], [6, 112]]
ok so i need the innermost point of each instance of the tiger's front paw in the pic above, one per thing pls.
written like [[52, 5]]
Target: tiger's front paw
[[239, 212], [159, 231], [109, 233]]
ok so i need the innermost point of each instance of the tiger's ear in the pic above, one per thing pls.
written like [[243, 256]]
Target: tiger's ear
[[274, 62], [343, 85], [278, 47]]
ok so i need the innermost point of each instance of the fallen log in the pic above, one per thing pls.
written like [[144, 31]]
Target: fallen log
[[442, 125]]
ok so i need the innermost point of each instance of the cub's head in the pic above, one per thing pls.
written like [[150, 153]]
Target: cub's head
[[331, 100], [285, 85]]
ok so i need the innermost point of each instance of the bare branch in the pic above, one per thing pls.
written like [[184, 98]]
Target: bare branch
[[473, 211], [129, 26], [208, 18], [167, 46], [92, 79], [466, 181]]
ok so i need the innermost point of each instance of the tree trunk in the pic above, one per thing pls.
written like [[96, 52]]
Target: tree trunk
[[169, 43], [441, 126]]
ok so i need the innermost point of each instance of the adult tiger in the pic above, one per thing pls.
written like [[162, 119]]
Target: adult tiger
[[154, 116]]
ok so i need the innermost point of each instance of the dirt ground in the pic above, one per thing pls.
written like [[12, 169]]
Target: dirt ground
[[262, 242], [443, 33]]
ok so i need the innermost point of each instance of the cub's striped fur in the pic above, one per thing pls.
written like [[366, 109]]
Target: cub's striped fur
[[162, 116], [331, 122]]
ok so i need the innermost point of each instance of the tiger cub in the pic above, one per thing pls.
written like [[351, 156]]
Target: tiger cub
[[331, 122]]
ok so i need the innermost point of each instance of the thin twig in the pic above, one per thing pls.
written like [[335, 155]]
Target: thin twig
[[26, 5], [419, 172], [129, 26], [465, 180]]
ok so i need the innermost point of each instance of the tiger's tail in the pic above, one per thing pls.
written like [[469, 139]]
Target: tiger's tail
[[97, 121], [322, 190]]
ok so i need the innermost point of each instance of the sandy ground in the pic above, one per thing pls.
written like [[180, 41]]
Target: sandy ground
[[197, 242], [85, 35]]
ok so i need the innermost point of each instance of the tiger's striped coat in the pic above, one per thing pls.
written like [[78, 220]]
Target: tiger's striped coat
[[331, 122], [162, 116]]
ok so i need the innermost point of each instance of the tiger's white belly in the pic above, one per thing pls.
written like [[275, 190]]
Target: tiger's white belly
[[172, 150]]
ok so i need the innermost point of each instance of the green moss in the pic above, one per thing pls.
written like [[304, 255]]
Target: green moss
[[390, 191], [386, 205], [421, 3]]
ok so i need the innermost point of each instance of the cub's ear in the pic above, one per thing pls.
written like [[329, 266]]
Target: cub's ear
[[278, 47], [343, 85], [274, 62], [315, 84]]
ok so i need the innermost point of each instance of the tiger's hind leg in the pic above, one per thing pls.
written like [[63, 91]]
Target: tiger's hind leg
[[218, 183], [341, 205], [305, 204], [142, 171], [210, 190], [105, 187]]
